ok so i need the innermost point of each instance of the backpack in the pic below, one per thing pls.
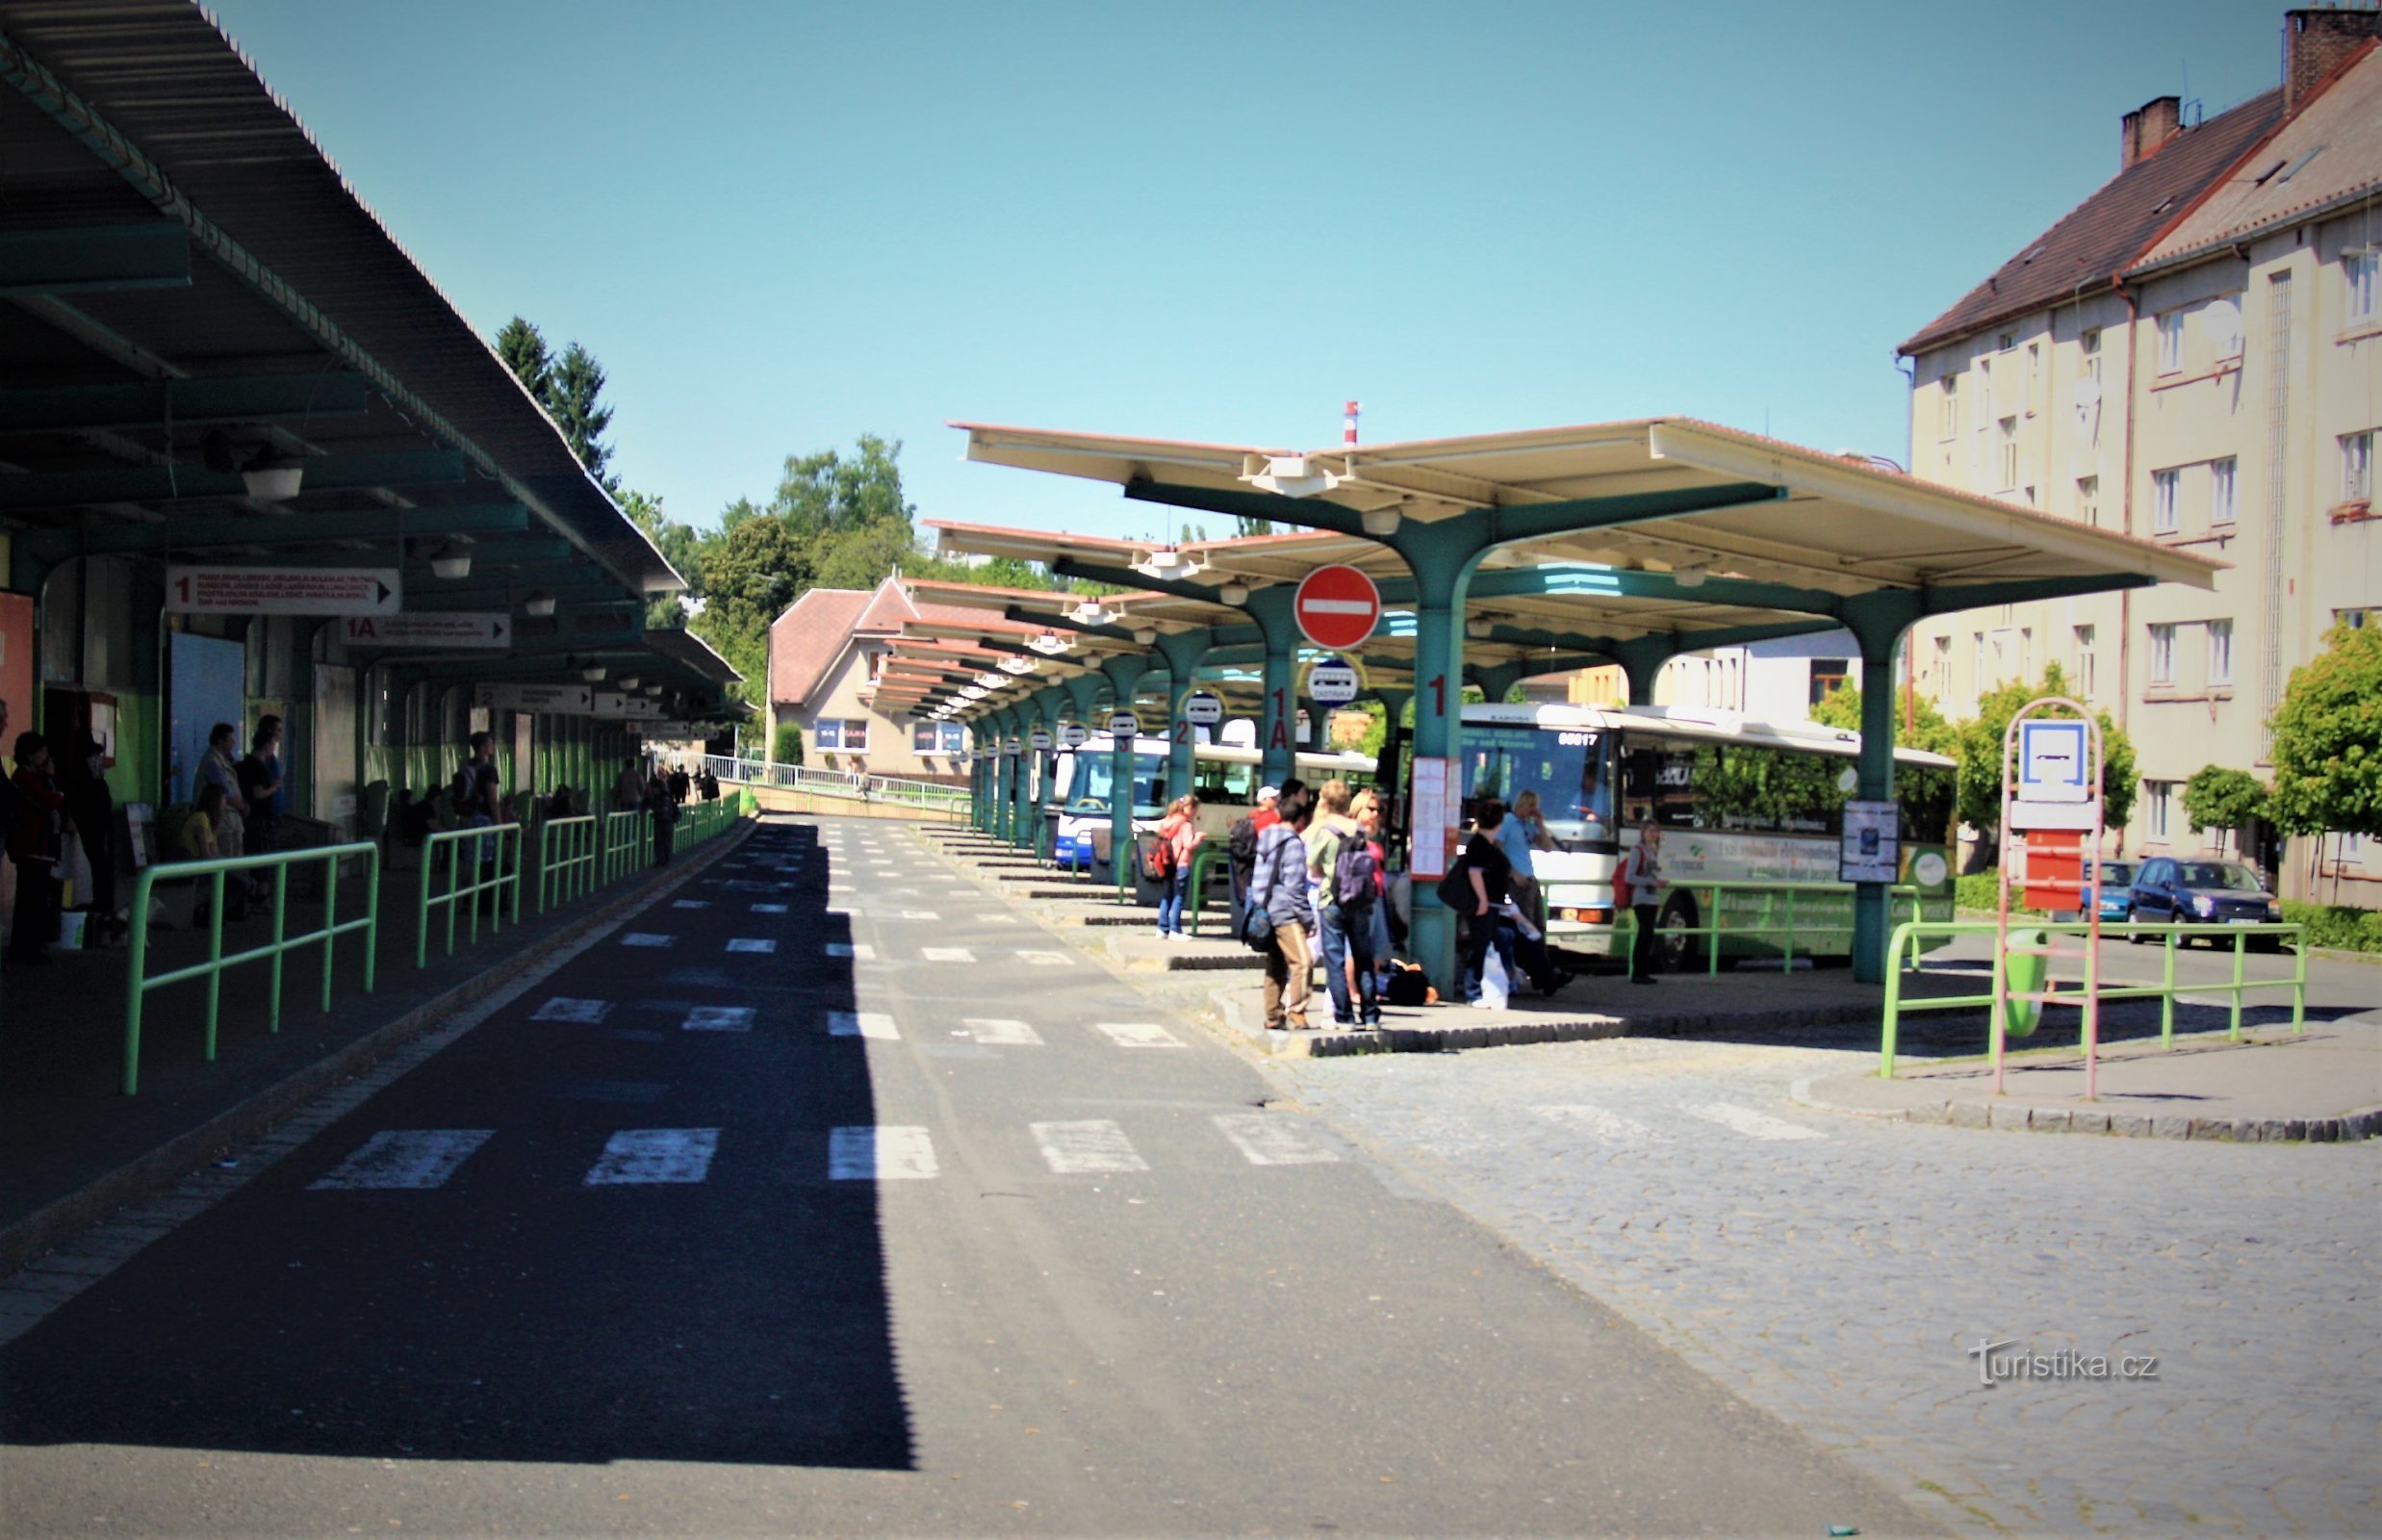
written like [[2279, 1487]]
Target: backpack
[[1242, 841], [1355, 875], [1159, 863], [1407, 986], [459, 790]]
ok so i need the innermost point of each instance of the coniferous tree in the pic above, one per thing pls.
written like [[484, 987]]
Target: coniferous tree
[[523, 348], [574, 399]]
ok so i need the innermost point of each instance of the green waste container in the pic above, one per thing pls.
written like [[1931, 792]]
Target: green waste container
[[2024, 969]]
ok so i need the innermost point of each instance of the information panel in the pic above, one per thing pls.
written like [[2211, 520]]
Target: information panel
[[282, 591], [1872, 849], [1435, 804]]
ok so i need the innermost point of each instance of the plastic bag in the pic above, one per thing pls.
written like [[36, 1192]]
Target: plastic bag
[[74, 870], [1496, 988]]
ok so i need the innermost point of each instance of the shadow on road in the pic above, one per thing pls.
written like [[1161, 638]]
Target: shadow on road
[[515, 1312]]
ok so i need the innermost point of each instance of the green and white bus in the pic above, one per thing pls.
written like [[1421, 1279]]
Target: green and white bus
[[1743, 804]]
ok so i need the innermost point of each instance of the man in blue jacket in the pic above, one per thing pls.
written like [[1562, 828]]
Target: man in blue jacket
[[1279, 887]]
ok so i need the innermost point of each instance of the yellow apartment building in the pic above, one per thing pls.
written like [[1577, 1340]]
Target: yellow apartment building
[[2192, 355]]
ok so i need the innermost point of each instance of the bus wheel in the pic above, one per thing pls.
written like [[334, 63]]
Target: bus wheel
[[1676, 953]]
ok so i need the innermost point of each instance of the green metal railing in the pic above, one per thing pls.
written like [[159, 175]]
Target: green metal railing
[[1204, 857], [493, 857], [1902, 955], [1898, 898], [628, 844], [567, 859], [699, 821], [139, 983]]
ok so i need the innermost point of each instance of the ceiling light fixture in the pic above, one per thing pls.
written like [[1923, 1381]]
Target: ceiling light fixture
[[1288, 475], [1381, 523], [1146, 635], [451, 561], [594, 672], [629, 682], [1051, 644], [271, 475], [1692, 574], [1234, 593], [1090, 613], [1020, 665], [539, 603], [1479, 628]]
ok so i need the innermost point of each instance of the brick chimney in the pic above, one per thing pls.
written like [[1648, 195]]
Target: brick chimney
[[2318, 42], [2140, 132]]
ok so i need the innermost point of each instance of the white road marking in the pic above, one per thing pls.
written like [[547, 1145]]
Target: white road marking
[[637, 1157], [692, 902], [947, 953], [857, 951], [1138, 1035], [648, 938], [862, 1025], [719, 1018], [1269, 1139], [1611, 1127], [1087, 1147], [404, 1158], [880, 1154], [769, 908], [997, 919], [920, 914], [751, 943], [562, 1009], [1002, 1033], [1046, 959], [1750, 1124]]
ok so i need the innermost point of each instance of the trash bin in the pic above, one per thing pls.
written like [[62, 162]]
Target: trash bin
[[2024, 969]]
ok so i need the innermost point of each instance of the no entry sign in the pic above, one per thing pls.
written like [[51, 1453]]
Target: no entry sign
[[1337, 606]]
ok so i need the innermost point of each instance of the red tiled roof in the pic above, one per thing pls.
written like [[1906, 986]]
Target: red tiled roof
[[2109, 230], [809, 637], [889, 609]]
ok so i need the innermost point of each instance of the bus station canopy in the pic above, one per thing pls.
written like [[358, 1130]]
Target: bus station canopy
[[1806, 520]]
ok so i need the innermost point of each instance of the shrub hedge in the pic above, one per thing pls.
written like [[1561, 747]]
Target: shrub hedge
[[2338, 925]]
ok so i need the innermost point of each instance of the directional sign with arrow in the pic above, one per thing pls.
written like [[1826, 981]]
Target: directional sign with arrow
[[284, 591], [445, 630]]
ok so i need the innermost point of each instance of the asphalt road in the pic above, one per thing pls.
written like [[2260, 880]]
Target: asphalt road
[[829, 1195]]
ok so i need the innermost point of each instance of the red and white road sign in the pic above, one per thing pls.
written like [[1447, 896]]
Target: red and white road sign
[[1337, 606]]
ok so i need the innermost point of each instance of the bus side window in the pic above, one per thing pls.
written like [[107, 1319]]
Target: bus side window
[[1241, 785], [1643, 769]]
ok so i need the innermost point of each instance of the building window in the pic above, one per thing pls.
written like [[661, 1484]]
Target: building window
[[2357, 467], [2163, 655], [937, 737], [2010, 452], [2091, 342], [2158, 808], [2220, 492], [2010, 340], [1827, 677], [2171, 343], [2348, 849], [2089, 499], [2220, 652], [2087, 670], [2033, 378], [2358, 618], [1943, 668], [2026, 651], [1977, 673], [2165, 512], [2362, 269], [1948, 407], [849, 734]]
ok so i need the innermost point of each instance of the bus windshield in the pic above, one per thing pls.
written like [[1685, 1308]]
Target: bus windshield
[[1566, 768], [1088, 786]]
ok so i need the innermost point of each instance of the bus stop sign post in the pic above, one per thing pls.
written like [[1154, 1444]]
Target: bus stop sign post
[[2051, 806]]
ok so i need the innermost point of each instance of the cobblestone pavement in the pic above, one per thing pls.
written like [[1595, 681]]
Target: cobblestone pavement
[[1838, 1271]]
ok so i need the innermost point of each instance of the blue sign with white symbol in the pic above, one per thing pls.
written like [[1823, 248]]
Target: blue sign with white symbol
[[2054, 763]]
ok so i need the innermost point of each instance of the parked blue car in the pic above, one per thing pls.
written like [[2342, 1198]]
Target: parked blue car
[[2116, 891], [2204, 892]]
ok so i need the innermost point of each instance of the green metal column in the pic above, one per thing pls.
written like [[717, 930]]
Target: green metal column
[[1272, 610], [1001, 774], [1877, 620], [1182, 650], [1641, 660], [1052, 700], [1123, 674], [1020, 778]]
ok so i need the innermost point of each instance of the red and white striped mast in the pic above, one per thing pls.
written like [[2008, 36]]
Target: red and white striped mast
[[1347, 431]]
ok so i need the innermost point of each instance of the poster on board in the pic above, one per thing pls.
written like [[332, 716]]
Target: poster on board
[[1433, 846]]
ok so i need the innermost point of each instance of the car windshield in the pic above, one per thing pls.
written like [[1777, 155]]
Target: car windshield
[[2223, 874], [2116, 873]]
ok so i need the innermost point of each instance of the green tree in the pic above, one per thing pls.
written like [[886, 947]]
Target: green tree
[[2220, 797], [2328, 739], [680, 545], [523, 350], [574, 398], [1982, 767], [1922, 728], [750, 574]]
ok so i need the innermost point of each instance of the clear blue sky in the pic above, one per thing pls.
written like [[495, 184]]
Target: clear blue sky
[[783, 225]]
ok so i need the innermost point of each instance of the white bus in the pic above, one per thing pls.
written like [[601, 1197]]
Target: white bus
[[1224, 776], [1740, 802]]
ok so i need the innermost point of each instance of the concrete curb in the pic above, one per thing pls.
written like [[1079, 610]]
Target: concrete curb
[[156, 1173], [1239, 1011], [2018, 1118]]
